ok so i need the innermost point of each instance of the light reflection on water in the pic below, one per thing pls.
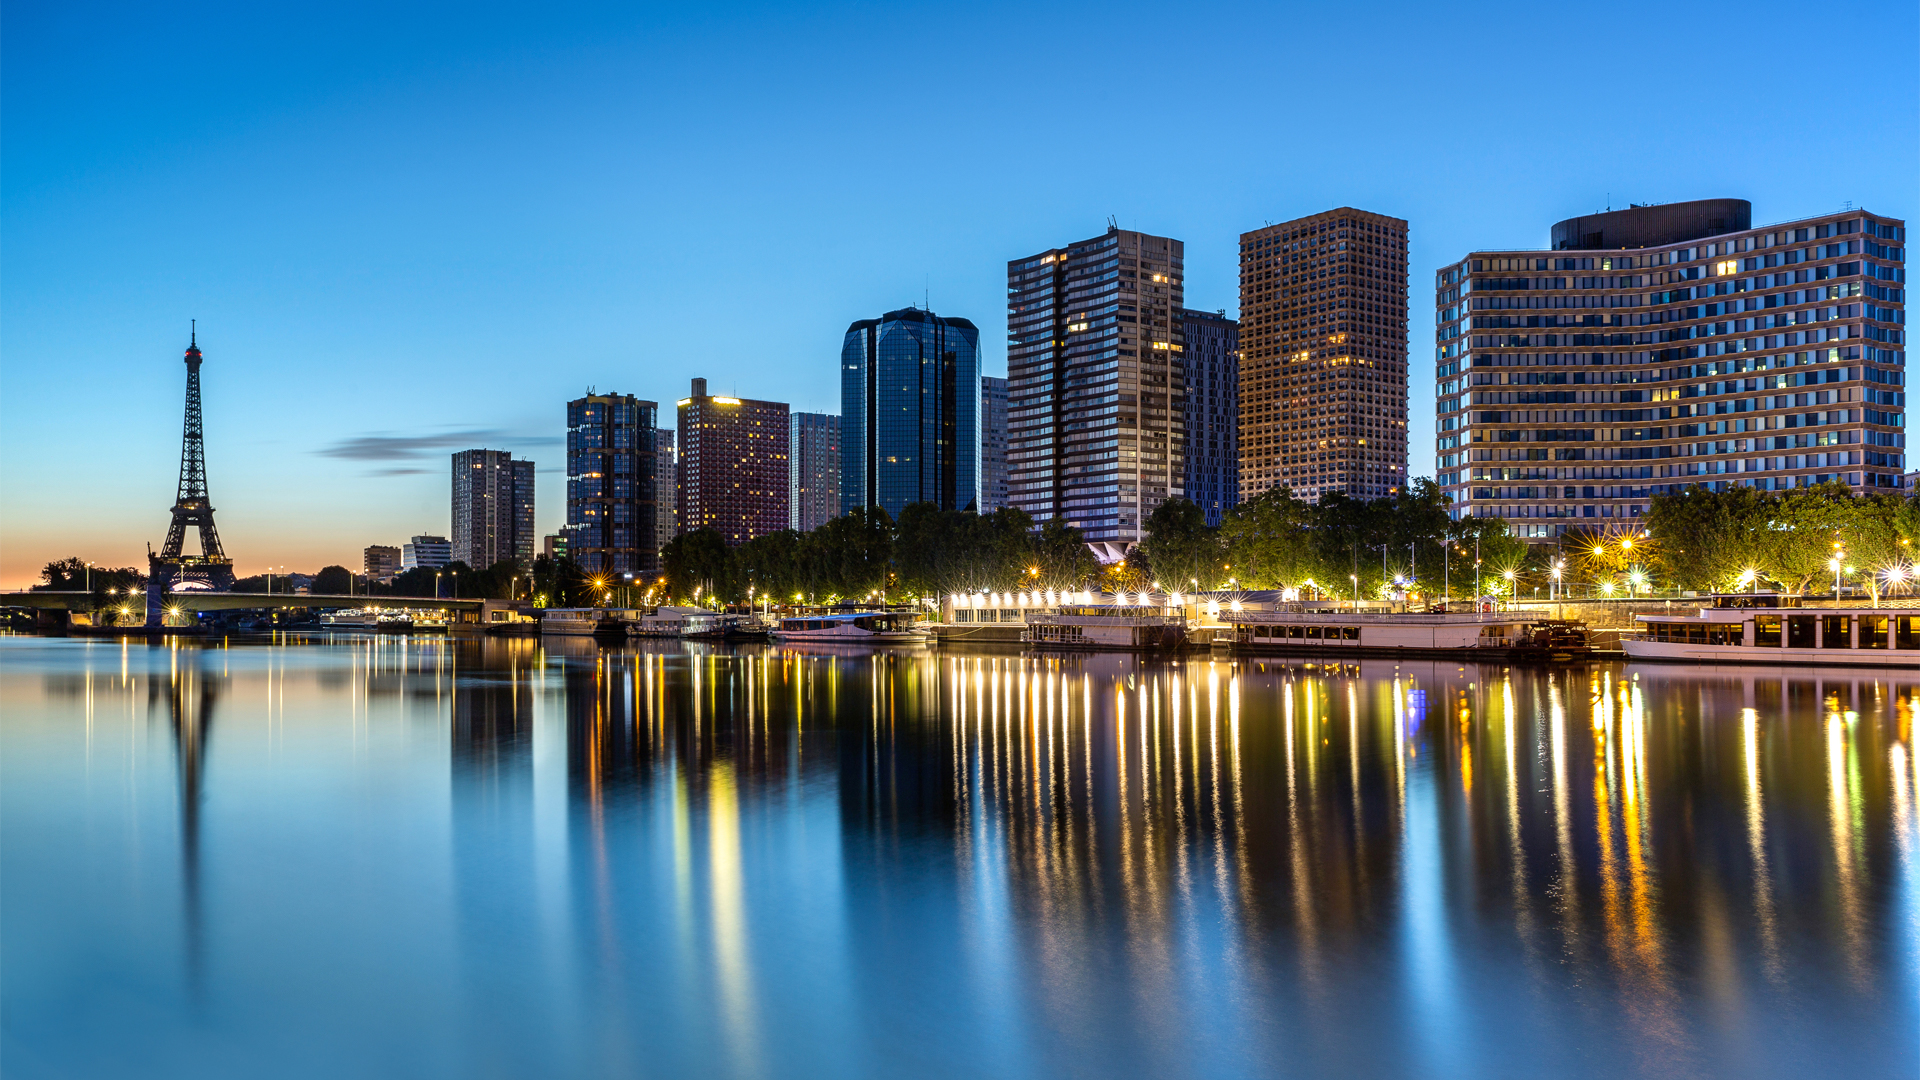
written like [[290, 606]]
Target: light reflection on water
[[423, 857]]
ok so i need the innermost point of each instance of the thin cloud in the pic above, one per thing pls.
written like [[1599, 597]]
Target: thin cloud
[[395, 472], [405, 447]]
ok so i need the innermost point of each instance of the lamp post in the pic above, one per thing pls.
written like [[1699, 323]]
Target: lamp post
[[436, 584], [1356, 591]]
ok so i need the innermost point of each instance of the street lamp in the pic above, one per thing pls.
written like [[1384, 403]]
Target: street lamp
[[1356, 591], [1834, 565]]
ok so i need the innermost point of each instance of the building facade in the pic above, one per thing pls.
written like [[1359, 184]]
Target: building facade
[[611, 499], [1095, 412], [1323, 356], [428, 552], [1656, 348], [380, 562], [813, 470], [492, 508], [992, 486], [1210, 372], [666, 484], [733, 465], [909, 412]]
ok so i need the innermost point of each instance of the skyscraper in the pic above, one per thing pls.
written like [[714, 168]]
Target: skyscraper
[[909, 412], [1323, 355], [1210, 372], [993, 444], [666, 483], [611, 501], [813, 473], [492, 508], [1095, 411], [733, 465], [1659, 347]]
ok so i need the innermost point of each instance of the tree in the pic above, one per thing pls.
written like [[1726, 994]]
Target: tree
[[1805, 533], [1267, 541], [1182, 549], [73, 575], [695, 564], [1061, 554], [332, 581]]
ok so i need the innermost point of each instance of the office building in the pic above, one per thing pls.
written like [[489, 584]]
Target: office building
[[813, 470], [909, 412], [1323, 356], [555, 546], [380, 562], [426, 552], [1659, 347], [993, 444], [611, 499], [666, 485], [1210, 372], [733, 465], [492, 508], [1095, 415]]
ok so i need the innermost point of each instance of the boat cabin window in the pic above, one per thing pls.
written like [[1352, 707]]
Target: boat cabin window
[[1906, 631], [1766, 631], [1873, 631], [1800, 631], [1836, 631]]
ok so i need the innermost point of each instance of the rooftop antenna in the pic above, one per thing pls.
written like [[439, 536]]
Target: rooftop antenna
[[1113, 222]]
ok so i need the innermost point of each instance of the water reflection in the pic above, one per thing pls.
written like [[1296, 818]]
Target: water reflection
[[764, 861]]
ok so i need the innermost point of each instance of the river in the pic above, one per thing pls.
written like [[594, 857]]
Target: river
[[383, 856]]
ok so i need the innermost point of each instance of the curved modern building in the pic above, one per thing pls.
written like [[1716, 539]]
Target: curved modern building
[[909, 412], [1659, 347]]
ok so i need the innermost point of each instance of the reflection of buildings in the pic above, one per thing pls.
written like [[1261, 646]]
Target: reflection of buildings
[[1103, 821]]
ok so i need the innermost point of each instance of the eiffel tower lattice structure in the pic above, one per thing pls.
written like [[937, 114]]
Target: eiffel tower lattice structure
[[172, 568]]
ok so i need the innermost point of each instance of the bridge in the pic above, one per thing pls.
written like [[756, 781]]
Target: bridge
[[202, 600]]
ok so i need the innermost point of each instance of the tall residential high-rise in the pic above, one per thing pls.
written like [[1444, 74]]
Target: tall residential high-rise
[[909, 411], [733, 465], [813, 472], [426, 552], [380, 562], [492, 508], [611, 500], [1095, 410], [1660, 347], [1323, 356], [1210, 369], [666, 482], [993, 444]]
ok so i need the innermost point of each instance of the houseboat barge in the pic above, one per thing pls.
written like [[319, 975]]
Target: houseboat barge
[[1772, 629]]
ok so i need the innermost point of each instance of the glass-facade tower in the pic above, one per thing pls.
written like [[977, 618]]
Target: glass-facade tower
[[909, 412], [610, 484]]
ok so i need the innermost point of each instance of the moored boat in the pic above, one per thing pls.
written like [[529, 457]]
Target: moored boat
[[1767, 628], [588, 622], [851, 627]]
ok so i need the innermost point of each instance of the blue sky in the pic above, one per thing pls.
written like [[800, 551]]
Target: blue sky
[[407, 230]]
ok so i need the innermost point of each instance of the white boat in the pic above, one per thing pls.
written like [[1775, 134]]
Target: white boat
[[1771, 629], [859, 626], [1106, 628], [1474, 633], [669, 621], [583, 622]]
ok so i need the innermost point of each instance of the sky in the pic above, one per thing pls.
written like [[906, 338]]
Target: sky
[[406, 230]]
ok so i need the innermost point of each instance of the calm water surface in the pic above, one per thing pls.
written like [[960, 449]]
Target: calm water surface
[[385, 857]]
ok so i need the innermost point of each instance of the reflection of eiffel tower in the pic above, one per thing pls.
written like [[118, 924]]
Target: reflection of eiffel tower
[[190, 701], [211, 569]]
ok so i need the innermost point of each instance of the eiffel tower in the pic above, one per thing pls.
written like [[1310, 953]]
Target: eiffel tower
[[172, 567]]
